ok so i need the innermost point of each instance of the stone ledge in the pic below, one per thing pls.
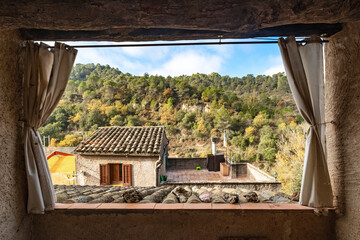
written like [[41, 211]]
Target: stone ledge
[[180, 206]]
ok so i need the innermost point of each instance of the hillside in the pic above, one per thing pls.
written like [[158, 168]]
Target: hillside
[[257, 113]]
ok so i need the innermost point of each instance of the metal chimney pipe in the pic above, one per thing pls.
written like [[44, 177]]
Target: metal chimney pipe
[[213, 146]]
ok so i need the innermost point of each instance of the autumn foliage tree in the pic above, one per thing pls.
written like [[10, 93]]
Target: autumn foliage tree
[[290, 158]]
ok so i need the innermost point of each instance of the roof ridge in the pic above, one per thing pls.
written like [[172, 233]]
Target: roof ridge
[[161, 126]]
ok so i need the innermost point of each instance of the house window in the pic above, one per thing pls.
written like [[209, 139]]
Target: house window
[[115, 174]]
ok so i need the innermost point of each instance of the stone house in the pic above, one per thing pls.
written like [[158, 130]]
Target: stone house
[[128, 156]]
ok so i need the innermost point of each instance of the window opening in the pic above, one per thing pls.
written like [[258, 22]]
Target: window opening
[[250, 131]]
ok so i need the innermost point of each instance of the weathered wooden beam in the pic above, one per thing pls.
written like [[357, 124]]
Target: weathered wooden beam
[[168, 19], [153, 34]]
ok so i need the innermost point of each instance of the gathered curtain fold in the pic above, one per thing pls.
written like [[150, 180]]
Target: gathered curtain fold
[[305, 72], [46, 73]]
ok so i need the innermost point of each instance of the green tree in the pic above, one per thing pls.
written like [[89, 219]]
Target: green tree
[[189, 120], [118, 120], [222, 118], [282, 84], [52, 129], [133, 120], [267, 144]]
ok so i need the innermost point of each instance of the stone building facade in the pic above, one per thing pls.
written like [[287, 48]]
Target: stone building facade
[[130, 156]]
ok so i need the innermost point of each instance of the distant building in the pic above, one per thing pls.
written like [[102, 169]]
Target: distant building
[[62, 168], [128, 156]]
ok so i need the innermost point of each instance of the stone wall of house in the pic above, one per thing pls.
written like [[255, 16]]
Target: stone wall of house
[[183, 224], [14, 222], [342, 56], [186, 163], [143, 168]]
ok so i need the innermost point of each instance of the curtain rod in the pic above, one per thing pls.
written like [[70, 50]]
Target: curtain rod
[[179, 44]]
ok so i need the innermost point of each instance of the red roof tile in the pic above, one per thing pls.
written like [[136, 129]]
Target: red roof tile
[[124, 141]]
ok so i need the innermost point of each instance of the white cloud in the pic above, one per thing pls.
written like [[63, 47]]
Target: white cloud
[[223, 50], [134, 51], [189, 62], [92, 55], [150, 53], [274, 70], [276, 65]]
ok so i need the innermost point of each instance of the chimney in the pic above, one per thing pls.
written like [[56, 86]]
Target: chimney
[[213, 145]]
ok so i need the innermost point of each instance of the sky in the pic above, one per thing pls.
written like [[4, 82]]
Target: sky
[[232, 60]]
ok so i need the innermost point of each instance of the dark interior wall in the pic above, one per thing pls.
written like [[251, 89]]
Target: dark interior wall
[[14, 222], [186, 163], [181, 224], [342, 55]]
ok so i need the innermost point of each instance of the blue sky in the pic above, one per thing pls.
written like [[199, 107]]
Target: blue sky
[[232, 60]]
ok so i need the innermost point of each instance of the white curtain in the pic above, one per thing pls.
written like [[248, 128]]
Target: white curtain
[[45, 78], [305, 73]]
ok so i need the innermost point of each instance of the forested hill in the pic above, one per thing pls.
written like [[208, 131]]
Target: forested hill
[[255, 111]]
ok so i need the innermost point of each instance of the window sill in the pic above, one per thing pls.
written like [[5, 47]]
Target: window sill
[[181, 206]]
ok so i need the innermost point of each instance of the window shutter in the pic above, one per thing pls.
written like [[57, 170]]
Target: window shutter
[[126, 172], [104, 174]]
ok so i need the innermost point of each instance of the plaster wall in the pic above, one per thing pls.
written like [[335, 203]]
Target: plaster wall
[[143, 168], [258, 175], [182, 224], [14, 222], [342, 56]]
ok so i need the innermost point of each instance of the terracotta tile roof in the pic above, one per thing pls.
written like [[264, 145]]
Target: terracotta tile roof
[[123, 141], [162, 194]]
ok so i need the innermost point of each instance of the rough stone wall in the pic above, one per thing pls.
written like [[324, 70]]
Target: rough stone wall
[[143, 169], [14, 222], [178, 224], [342, 56]]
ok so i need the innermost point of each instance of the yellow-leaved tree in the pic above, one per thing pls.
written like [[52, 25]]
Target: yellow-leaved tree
[[260, 120], [70, 141], [53, 142], [167, 112], [290, 158]]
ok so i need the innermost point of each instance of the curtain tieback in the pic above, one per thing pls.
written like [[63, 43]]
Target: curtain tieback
[[322, 123], [318, 124], [27, 125]]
